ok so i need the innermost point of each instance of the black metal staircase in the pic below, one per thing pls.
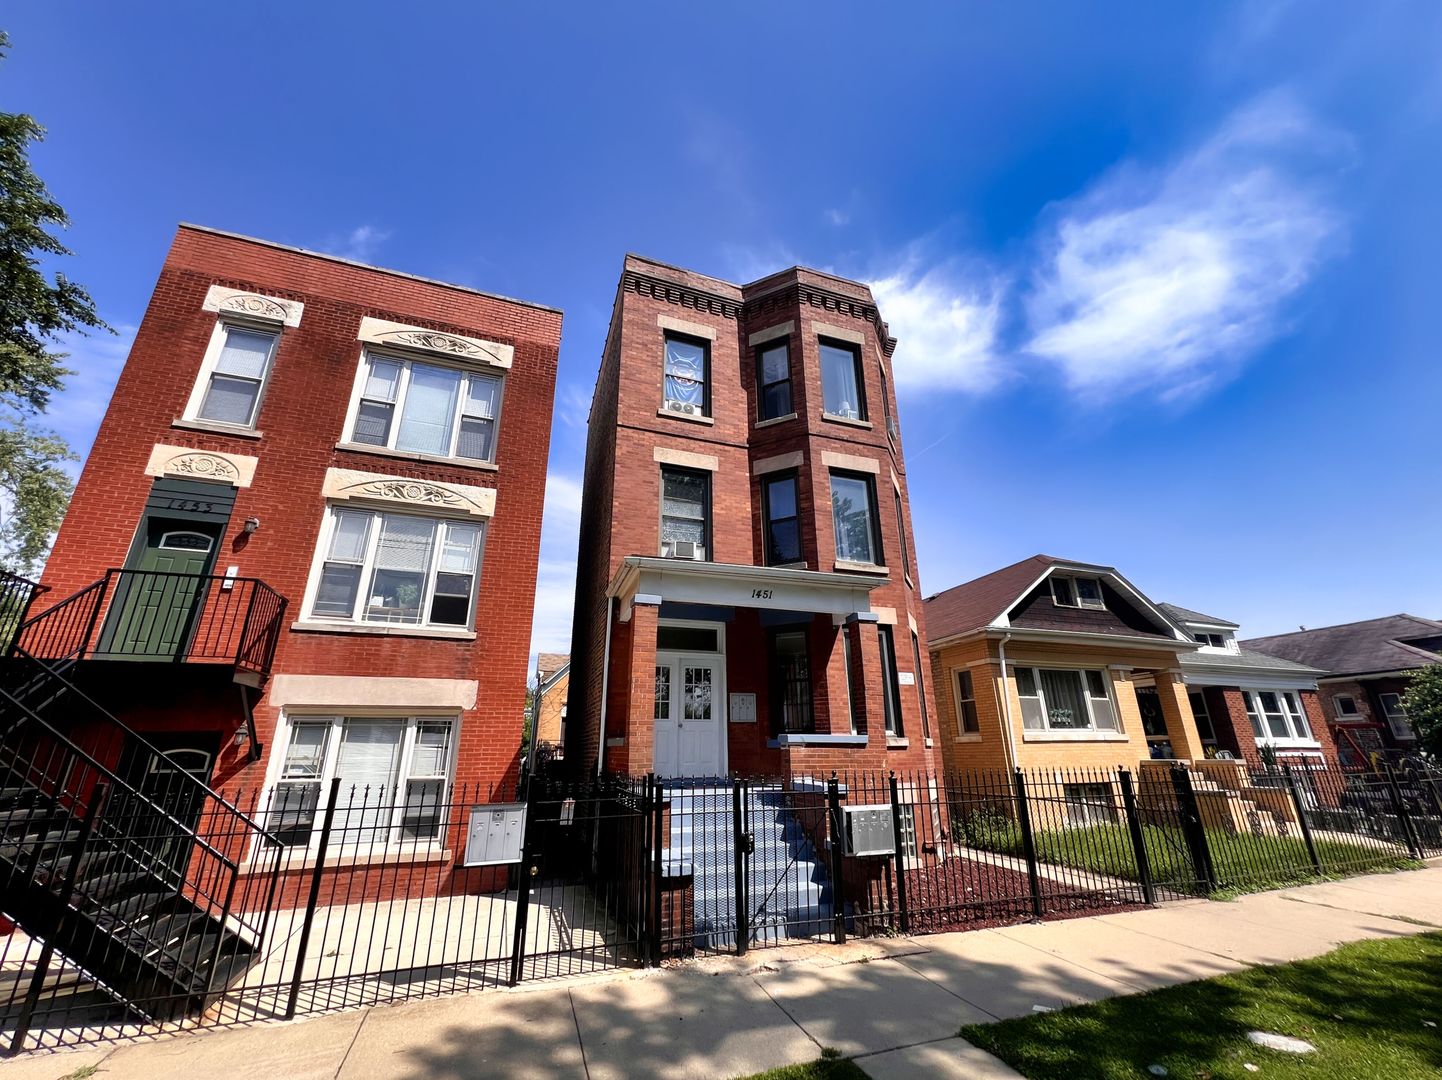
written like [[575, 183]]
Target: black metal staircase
[[128, 872]]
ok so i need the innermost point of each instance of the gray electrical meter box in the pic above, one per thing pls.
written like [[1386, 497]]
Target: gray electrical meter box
[[869, 830], [495, 835]]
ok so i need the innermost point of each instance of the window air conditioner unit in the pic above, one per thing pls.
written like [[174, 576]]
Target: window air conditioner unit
[[681, 407], [685, 549]]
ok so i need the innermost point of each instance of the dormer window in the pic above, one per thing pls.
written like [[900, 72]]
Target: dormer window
[[1085, 592], [1215, 641]]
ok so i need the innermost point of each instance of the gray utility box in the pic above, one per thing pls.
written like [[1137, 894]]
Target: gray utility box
[[868, 830], [496, 833]]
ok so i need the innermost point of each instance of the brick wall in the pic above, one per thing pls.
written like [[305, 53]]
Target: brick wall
[[300, 421]]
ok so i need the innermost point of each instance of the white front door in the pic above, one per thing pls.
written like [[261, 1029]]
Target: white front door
[[690, 716]]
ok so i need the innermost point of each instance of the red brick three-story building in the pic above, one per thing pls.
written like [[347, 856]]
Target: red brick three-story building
[[747, 597], [307, 534]]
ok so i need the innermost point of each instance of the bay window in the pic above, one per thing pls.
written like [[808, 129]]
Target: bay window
[[1277, 716], [781, 522], [853, 514], [233, 375], [394, 772], [890, 683], [1063, 699], [399, 569], [773, 381], [424, 408], [843, 390]]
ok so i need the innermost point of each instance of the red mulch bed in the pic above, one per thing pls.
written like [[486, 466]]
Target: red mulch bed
[[966, 894]]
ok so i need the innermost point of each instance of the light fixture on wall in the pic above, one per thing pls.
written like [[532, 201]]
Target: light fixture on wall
[[251, 524], [241, 736]]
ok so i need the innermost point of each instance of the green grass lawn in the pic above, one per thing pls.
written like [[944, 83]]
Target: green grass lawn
[[1366, 1007], [830, 1067], [1242, 862]]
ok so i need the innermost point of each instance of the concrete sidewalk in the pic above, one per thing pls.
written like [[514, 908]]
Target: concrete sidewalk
[[895, 1004]]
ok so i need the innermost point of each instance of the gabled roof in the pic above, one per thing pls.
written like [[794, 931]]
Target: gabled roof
[[550, 667], [986, 601], [1358, 648], [1187, 615]]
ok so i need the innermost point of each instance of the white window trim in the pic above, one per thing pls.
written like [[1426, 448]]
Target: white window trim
[[1091, 731], [208, 364], [337, 716], [1355, 714], [403, 387], [1393, 718], [1253, 702], [961, 732], [310, 621], [1099, 604]]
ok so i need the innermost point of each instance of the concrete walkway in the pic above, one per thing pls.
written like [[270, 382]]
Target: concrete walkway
[[895, 1004]]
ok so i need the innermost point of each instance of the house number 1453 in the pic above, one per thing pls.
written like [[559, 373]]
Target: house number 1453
[[760, 594]]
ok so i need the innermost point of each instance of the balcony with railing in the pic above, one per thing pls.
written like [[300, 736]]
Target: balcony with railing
[[155, 615]]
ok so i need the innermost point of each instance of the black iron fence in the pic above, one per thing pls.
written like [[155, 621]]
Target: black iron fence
[[349, 896]]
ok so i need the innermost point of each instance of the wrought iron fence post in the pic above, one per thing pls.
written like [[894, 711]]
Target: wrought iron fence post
[[310, 905], [525, 873], [1193, 830], [1028, 845], [900, 856], [94, 615], [838, 860], [739, 836], [1139, 840], [658, 833], [642, 898], [99, 797], [1302, 822], [1404, 819]]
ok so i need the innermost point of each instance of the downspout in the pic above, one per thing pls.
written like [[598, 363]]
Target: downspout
[[605, 683], [1010, 742]]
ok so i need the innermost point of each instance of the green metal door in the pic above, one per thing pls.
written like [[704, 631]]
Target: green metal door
[[159, 593]]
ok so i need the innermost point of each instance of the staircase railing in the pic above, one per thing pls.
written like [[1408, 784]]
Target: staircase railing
[[163, 843], [160, 615]]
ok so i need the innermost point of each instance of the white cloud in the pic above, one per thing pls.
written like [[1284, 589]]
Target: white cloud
[[361, 244], [573, 405], [1169, 280], [945, 321], [837, 217]]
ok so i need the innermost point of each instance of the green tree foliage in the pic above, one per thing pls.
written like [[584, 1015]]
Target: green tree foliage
[[1423, 702], [34, 310]]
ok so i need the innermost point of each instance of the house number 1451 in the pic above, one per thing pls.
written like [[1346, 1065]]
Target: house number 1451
[[760, 594]]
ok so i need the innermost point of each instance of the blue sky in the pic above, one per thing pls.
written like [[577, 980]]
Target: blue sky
[[1163, 276]]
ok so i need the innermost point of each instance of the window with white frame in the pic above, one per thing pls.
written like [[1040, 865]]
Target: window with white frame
[[1396, 714], [394, 772], [1277, 716], [1084, 592], [1214, 641], [1346, 707], [398, 569], [422, 408], [1089, 804], [967, 722], [1065, 699], [233, 375]]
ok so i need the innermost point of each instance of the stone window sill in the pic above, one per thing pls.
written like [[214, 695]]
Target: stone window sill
[[383, 630], [859, 567], [406, 455], [1073, 736], [672, 414], [802, 739], [775, 420], [293, 859], [832, 418], [893, 743], [968, 736], [216, 428]]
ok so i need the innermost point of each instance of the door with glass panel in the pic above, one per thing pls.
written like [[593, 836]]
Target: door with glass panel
[[689, 714]]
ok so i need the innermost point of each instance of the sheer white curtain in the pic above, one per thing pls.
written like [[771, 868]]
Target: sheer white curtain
[[841, 396]]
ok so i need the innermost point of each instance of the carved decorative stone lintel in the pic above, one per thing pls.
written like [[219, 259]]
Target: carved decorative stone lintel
[[465, 499], [399, 335], [223, 300], [238, 470]]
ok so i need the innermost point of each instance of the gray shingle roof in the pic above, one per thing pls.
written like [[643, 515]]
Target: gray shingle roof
[[1359, 647], [1187, 615], [1247, 659]]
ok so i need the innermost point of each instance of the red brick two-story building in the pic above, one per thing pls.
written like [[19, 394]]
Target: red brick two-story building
[[339, 466], [746, 597]]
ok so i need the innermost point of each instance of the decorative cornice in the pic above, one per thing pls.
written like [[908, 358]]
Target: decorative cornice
[[687, 296], [238, 470], [423, 339], [341, 484], [253, 305]]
